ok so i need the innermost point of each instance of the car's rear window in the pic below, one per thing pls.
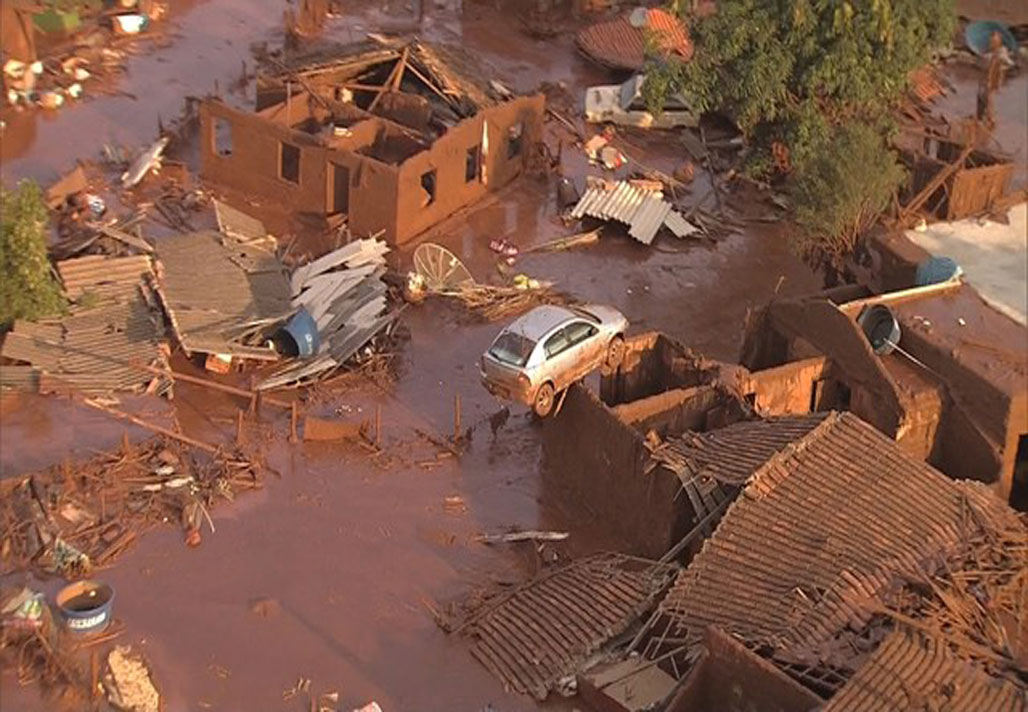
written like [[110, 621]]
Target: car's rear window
[[512, 348]]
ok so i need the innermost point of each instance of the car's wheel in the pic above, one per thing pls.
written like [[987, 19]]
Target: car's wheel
[[615, 354], [543, 403]]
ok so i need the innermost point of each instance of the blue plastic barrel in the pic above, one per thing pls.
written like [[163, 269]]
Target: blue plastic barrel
[[936, 270], [85, 606], [978, 33], [304, 333]]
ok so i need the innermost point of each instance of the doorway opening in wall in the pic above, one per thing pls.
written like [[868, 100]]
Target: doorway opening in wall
[[340, 189], [473, 164], [222, 137], [1019, 485], [829, 394], [428, 185], [515, 134], [289, 162]]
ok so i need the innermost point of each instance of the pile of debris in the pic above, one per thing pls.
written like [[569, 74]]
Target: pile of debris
[[112, 339], [590, 602], [342, 304], [98, 51], [72, 517], [39, 649], [638, 204], [439, 272]]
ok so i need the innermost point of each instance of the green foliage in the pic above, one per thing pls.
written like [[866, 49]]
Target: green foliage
[[788, 69], [840, 188], [28, 289]]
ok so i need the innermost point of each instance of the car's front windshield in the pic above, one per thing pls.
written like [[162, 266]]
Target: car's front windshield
[[512, 348]]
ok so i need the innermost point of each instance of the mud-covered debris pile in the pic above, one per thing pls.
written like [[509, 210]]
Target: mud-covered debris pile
[[128, 682], [71, 517]]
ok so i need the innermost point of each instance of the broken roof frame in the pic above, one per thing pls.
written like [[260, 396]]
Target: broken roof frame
[[443, 71], [912, 534], [545, 631]]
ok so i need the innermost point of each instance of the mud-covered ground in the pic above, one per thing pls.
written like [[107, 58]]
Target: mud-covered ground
[[350, 549]]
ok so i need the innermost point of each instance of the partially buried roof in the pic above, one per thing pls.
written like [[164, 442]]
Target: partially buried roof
[[624, 42], [107, 342], [993, 255], [912, 673], [218, 294], [544, 632], [824, 531]]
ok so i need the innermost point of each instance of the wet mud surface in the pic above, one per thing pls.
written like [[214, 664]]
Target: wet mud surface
[[324, 574]]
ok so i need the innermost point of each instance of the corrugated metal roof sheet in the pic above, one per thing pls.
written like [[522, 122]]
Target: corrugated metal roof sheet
[[238, 224], [344, 293], [643, 210], [214, 293], [99, 349], [546, 630], [102, 275], [619, 44], [819, 532], [911, 673]]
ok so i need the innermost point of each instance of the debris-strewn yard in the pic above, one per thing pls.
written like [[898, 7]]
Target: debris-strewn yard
[[278, 281]]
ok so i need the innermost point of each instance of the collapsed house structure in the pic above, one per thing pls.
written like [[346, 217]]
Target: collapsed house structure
[[837, 542], [395, 137]]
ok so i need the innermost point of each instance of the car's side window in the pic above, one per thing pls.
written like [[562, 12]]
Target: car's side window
[[580, 331], [556, 343]]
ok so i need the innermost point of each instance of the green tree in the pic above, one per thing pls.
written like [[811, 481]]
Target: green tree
[[839, 189], [787, 70], [28, 289]]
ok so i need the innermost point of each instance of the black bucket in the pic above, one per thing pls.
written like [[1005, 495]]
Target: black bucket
[[881, 328]]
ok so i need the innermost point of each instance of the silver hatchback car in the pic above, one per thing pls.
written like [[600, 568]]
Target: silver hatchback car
[[546, 350]]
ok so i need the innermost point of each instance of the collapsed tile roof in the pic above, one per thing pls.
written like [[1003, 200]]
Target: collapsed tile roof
[[217, 292], [823, 531], [622, 43], [730, 455], [910, 673], [100, 348], [540, 634]]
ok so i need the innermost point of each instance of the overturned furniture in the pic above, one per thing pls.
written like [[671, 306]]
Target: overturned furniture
[[395, 137], [112, 338], [590, 602]]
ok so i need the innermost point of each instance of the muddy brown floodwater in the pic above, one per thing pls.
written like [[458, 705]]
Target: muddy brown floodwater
[[349, 549]]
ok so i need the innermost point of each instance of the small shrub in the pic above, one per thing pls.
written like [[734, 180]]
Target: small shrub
[[28, 289]]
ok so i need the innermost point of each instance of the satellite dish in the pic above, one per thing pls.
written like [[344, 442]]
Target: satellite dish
[[638, 17], [441, 269]]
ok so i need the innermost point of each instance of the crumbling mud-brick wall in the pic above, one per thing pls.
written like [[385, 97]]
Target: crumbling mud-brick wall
[[243, 151], [819, 323], [654, 364], [730, 678], [680, 409], [794, 388], [599, 462], [457, 182]]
